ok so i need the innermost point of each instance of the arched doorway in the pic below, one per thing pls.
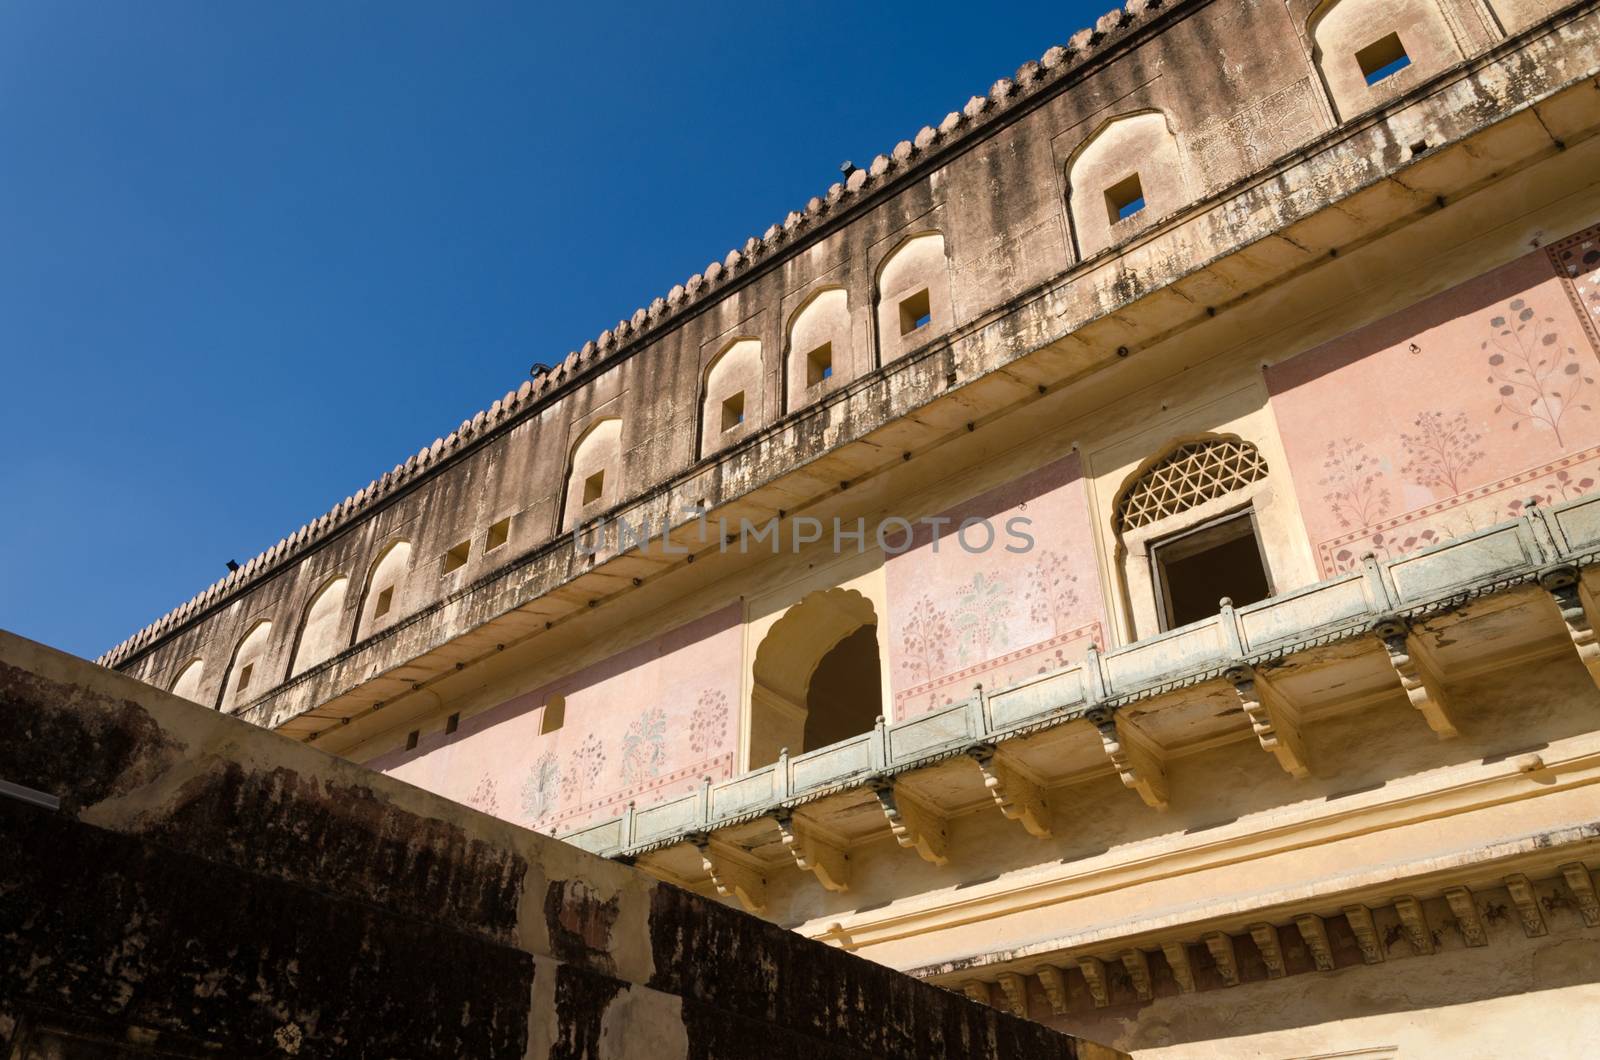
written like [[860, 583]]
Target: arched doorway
[[817, 676]]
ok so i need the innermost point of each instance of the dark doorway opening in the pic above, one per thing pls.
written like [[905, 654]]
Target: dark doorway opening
[[1194, 570], [845, 696]]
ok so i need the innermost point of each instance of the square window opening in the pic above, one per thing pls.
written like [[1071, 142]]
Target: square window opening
[[594, 487], [819, 364], [555, 715], [499, 534], [452, 723], [733, 411], [411, 739], [1383, 59], [1125, 198], [1194, 570], [385, 601], [456, 558], [915, 312], [245, 672]]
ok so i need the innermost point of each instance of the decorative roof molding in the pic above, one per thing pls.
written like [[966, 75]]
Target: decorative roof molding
[[1030, 80]]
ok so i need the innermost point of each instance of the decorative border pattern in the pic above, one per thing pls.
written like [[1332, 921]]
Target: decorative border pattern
[[903, 699], [1576, 259]]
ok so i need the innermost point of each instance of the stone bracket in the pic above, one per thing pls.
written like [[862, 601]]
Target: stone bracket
[[1526, 899], [1581, 884], [1418, 671], [1137, 758], [1359, 917], [1094, 974], [1563, 585], [1265, 936], [1415, 924], [734, 875], [1465, 909], [1138, 966], [977, 990], [1223, 954], [1177, 955], [915, 825], [1055, 987], [1019, 798], [1275, 720], [820, 854], [1315, 933], [1015, 988]]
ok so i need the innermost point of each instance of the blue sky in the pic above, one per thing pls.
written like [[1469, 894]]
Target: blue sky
[[252, 255]]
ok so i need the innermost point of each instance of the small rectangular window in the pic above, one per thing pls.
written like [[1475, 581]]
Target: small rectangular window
[[1194, 570], [411, 739], [1383, 58], [244, 676], [915, 312], [385, 600], [456, 558], [733, 411], [819, 364], [499, 534], [1125, 198], [593, 487], [452, 723]]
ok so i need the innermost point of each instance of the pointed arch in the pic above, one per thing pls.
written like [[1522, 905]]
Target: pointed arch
[[819, 348], [381, 598], [730, 394], [1344, 33], [594, 472], [1125, 175], [318, 637], [247, 675], [912, 292], [187, 684]]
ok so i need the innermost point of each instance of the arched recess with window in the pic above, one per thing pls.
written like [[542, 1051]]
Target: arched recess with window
[[380, 600], [817, 676], [187, 683], [819, 350], [1370, 51], [913, 295], [1517, 15], [1126, 175], [594, 472], [1191, 528], [730, 394], [319, 637], [247, 677]]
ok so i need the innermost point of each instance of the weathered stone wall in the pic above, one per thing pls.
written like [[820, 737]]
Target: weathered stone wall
[[181, 883], [1239, 90]]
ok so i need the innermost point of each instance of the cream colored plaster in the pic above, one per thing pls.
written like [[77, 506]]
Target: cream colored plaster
[[187, 684], [388, 574], [597, 451], [320, 634], [249, 658], [734, 371], [1518, 15], [1131, 144], [823, 319], [915, 265], [1341, 28]]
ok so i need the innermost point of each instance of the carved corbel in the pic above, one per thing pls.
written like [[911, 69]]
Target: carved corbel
[[733, 875], [1465, 909], [1136, 757], [1055, 987], [915, 826], [1274, 719], [977, 990], [1138, 966], [1415, 924], [1526, 899], [1019, 798], [1222, 953], [1265, 937], [1581, 884], [1562, 585], [1419, 675], [1315, 933], [1177, 955], [1094, 974], [819, 855], [1359, 917], [1015, 988]]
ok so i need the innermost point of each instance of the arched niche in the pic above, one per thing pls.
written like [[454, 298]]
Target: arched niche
[[913, 295], [187, 683], [247, 673], [1518, 15], [730, 403], [816, 676], [820, 351], [380, 603], [1370, 51], [594, 472], [1125, 176], [319, 631]]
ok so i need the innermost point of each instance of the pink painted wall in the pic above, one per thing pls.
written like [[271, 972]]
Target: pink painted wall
[[1447, 417], [644, 725], [957, 619]]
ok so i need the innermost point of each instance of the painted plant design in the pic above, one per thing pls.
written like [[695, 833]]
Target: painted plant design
[[486, 796], [1351, 478], [583, 769], [644, 748], [923, 641], [1564, 485], [1538, 378], [1441, 451], [981, 613], [1052, 594], [540, 788], [709, 723]]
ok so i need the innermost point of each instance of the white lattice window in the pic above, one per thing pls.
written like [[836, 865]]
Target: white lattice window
[[1187, 478]]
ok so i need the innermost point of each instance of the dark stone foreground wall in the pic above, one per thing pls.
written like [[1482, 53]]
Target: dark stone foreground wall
[[204, 887]]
